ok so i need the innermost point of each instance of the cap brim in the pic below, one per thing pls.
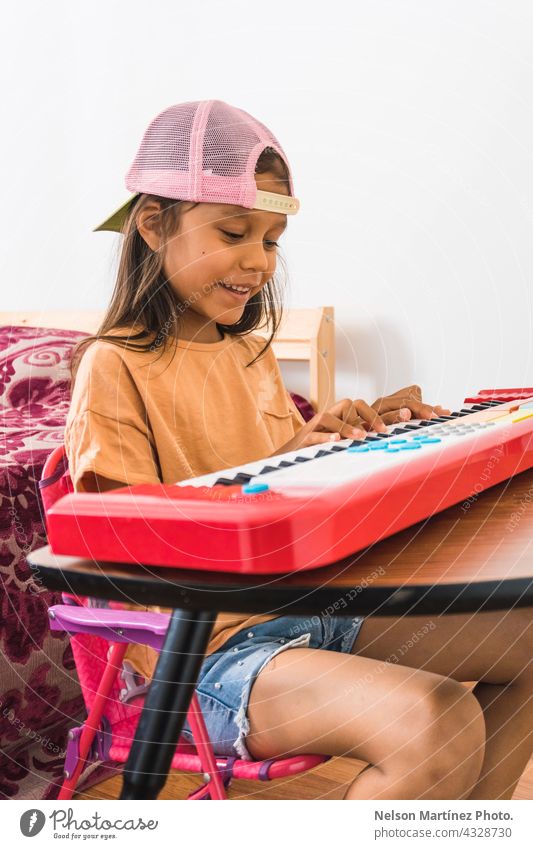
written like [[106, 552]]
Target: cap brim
[[273, 202], [269, 201], [116, 220]]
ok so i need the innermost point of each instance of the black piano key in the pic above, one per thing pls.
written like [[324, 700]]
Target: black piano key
[[285, 463], [338, 448], [302, 459], [398, 430], [321, 453], [224, 482], [356, 442], [443, 419], [382, 435], [476, 407], [267, 469], [414, 427], [242, 477], [372, 438], [426, 422]]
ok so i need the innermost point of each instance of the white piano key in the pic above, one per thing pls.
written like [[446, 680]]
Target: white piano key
[[348, 467], [255, 467], [294, 474]]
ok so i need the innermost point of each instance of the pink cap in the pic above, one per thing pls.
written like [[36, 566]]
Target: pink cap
[[205, 151]]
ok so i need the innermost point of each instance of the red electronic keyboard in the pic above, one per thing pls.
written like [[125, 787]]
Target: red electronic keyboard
[[305, 508]]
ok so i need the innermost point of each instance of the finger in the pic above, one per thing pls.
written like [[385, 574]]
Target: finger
[[427, 411], [332, 424], [401, 415], [323, 438], [414, 392], [318, 438], [369, 416], [417, 408], [347, 412], [422, 411]]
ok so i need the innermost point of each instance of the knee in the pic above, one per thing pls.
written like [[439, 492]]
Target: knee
[[450, 739]]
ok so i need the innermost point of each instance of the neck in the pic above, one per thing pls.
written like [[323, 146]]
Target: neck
[[199, 331]]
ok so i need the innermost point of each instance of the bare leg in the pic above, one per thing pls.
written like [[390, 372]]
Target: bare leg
[[422, 734], [496, 650]]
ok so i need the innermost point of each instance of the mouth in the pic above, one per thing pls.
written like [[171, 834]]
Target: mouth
[[239, 293]]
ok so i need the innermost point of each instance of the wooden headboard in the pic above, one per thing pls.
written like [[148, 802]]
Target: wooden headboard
[[306, 335]]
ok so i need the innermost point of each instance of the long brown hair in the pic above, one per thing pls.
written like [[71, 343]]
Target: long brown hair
[[144, 297]]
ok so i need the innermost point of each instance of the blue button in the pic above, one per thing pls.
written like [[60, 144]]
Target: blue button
[[420, 436], [409, 446], [358, 449], [397, 441], [251, 488], [377, 446], [430, 439], [391, 450]]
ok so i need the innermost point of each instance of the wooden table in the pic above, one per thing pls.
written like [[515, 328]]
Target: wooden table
[[477, 554]]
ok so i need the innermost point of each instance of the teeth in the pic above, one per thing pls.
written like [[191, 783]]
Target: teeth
[[235, 288]]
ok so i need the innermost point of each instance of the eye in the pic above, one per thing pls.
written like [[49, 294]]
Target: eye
[[271, 245], [232, 235]]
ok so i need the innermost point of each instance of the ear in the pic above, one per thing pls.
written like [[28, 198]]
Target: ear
[[147, 221]]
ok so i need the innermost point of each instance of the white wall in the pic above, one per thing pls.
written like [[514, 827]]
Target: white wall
[[409, 127]]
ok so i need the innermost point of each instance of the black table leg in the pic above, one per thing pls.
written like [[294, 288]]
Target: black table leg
[[166, 704]]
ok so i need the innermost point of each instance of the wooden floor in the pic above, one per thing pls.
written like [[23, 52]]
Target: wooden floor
[[327, 781]]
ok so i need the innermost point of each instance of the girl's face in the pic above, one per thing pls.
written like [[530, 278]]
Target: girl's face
[[218, 246]]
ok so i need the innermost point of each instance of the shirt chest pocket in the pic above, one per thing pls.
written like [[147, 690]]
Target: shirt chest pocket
[[277, 417]]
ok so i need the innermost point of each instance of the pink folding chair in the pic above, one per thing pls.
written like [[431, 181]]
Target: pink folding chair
[[114, 693]]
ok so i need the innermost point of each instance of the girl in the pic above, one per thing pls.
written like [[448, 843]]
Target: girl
[[176, 385]]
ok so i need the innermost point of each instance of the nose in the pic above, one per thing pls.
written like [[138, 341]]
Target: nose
[[254, 257]]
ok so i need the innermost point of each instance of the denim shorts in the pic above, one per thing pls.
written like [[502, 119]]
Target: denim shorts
[[226, 676]]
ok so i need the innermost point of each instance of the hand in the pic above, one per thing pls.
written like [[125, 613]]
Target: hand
[[407, 404], [346, 419], [349, 419]]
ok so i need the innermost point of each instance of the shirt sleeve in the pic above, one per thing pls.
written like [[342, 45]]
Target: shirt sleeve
[[107, 430]]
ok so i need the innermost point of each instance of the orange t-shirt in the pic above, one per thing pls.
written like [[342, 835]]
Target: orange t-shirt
[[145, 417]]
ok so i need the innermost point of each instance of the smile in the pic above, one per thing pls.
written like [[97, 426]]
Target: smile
[[239, 292]]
